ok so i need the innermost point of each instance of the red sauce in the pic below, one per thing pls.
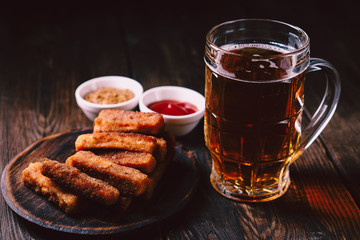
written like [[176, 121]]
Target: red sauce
[[173, 107]]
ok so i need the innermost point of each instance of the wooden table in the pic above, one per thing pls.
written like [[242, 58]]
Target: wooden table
[[45, 55]]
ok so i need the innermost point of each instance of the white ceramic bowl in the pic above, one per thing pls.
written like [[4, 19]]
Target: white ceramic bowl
[[177, 125], [92, 110]]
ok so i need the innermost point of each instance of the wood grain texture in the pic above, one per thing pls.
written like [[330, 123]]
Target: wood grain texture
[[45, 55]]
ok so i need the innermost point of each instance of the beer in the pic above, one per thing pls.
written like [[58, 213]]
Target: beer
[[253, 113], [254, 98]]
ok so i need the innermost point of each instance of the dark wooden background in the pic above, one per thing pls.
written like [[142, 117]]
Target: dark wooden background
[[46, 53]]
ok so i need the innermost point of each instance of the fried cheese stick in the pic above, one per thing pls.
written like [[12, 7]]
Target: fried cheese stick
[[163, 157], [160, 150], [129, 181], [80, 183], [145, 162], [68, 202], [114, 120], [165, 153], [125, 141]]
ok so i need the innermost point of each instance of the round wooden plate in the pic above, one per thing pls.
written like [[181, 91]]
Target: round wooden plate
[[175, 189]]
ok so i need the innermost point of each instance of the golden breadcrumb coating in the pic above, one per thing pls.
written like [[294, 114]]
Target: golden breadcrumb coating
[[145, 162], [80, 183], [68, 202], [125, 141], [129, 181], [114, 120]]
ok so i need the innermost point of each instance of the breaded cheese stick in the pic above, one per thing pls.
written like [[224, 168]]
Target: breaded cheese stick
[[114, 120], [125, 141], [165, 153], [68, 202], [154, 177], [129, 181], [145, 162], [160, 150], [80, 183]]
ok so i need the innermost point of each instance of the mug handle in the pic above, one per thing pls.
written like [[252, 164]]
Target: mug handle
[[326, 108]]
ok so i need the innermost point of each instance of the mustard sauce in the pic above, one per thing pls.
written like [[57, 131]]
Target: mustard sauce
[[109, 95]]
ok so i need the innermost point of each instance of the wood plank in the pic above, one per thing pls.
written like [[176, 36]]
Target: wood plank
[[151, 47], [316, 204], [45, 56], [42, 64], [331, 41]]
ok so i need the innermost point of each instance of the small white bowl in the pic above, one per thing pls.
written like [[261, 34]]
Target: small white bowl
[[92, 110], [177, 125]]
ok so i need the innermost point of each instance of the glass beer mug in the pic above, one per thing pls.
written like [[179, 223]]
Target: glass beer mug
[[254, 89]]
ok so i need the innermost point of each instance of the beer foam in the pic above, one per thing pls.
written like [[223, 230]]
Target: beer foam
[[282, 49]]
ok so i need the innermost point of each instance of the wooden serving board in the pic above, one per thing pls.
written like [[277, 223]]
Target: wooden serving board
[[182, 173]]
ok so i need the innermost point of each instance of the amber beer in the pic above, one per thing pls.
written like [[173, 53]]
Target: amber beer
[[253, 119], [254, 95]]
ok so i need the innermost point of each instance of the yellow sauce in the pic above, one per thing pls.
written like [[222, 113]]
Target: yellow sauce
[[109, 95]]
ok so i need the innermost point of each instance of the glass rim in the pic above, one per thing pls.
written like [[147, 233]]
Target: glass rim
[[298, 29]]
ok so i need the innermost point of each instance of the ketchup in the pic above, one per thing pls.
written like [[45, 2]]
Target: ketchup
[[172, 107]]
